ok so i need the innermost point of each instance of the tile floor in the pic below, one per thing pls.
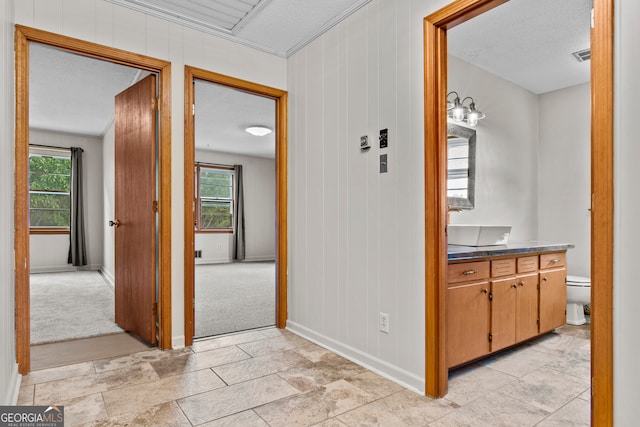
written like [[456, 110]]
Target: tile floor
[[275, 378]]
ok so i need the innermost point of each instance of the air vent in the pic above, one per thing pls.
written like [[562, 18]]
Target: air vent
[[582, 55]]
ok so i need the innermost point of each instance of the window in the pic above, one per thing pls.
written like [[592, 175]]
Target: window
[[49, 189], [214, 198]]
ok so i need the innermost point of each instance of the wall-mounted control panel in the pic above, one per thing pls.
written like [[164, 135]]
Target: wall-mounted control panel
[[384, 141], [383, 163]]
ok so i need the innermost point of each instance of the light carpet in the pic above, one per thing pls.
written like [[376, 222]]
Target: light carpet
[[70, 305], [234, 297]]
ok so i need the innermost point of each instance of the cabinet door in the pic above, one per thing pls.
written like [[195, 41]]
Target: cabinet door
[[467, 322], [553, 299], [503, 313], [527, 306]]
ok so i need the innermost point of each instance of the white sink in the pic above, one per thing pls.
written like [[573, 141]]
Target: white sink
[[478, 235]]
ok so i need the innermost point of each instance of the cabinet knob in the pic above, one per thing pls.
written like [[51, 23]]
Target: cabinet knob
[[468, 272], [514, 285], [521, 283], [484, 291], [553, 261], [544, 279]]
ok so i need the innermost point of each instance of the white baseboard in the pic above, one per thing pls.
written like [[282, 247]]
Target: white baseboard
[[259, 258], [108, 277], [398, 375], [63, 268], [177, 342], [13, 387], [202, 261]]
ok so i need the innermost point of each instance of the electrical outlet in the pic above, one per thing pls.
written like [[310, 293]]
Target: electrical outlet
[[384, 322]]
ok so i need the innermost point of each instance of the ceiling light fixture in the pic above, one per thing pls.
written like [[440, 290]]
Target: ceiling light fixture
[[459, 112], [258, 130]]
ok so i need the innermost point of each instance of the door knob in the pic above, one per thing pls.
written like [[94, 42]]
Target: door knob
[[115, 223]]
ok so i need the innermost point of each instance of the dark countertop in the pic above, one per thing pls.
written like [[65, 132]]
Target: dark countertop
[[457, 252]]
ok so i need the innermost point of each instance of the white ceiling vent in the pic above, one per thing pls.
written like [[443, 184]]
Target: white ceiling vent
[[582, 55]]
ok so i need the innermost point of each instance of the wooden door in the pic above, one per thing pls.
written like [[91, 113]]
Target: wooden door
[[135, 216], [467, 322], [503, 313], [527, 306], [553, 299]]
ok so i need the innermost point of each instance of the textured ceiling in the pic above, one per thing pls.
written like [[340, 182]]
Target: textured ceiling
[[73, 93], [223, 114], [280, 27], [528, 42]]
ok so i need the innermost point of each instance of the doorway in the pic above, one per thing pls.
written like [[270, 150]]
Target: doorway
[[435, 27], [225, 229], [24, 37]]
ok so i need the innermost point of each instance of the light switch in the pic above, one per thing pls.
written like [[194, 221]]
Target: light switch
[[383, 163]]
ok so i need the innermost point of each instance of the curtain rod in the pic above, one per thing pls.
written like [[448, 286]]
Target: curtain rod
[[54, 147]]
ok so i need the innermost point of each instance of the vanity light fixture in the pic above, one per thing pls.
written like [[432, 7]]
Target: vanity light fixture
[[459, 112], [258, 130]]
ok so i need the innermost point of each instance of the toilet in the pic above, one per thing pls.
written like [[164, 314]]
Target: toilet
[[578, 294]]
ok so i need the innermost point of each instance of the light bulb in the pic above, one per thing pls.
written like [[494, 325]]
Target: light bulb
[[457, 113], [472, 118]]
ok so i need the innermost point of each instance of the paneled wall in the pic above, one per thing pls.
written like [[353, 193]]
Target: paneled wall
[[48, 252], [116, 26], [357, 236], [627, 211], [259, 185], [9, 378]]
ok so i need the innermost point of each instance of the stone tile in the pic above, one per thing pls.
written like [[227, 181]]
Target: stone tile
[[275, 332], [59, 373], [586, 395], [197, 361], [142, 357], [249, 369], [576, 363], [69, 388], [545, 388], [576, 413], [582, 331], [556, 344], [235, 398], [314, 352], [227, 340], [315, 406], [493, 410], [25, 396], [273, 345], [374, 384], [137, 397], [404, 408], [83, 409], [167, 414], [520, 361], [331, 422], [469, 383], [314, 374], [242, 419]]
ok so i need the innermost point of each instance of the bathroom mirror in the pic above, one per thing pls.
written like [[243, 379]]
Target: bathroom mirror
[[461, 166]]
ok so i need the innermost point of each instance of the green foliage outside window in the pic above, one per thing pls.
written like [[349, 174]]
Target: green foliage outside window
[[49, 191], [215, 198]]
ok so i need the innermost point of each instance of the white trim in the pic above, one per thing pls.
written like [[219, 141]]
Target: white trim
[[13, 387], [108, 277], [177, 342], [398, 375], [64, 268]]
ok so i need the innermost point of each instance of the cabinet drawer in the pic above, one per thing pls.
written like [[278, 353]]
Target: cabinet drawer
[[468, 271], [503, 267], [558, 259], [527, 264]]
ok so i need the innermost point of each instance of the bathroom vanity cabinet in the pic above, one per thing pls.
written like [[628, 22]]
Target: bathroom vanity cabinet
[[497, 298]]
